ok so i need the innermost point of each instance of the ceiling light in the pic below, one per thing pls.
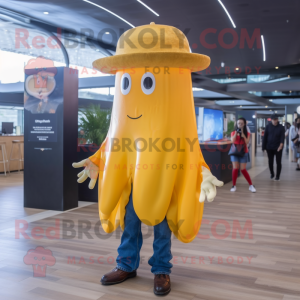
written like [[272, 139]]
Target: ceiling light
[[276, 67], [222, 64], [266, 106], [241, 106], [271, 100], [148, 8], [276, 111], [46, 13], [236, 69], [227, 13], [264, 49], [107, 32], [109, 12]]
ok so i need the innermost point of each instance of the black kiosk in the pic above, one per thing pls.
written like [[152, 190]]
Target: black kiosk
[[50, 137]]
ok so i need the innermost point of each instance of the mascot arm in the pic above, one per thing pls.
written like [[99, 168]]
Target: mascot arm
[[91, 165], [98, 157], [202, 161], [209, 182]]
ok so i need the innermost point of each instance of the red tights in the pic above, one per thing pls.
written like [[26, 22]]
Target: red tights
[[235, 175]]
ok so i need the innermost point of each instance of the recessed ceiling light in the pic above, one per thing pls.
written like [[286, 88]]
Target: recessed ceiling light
[[107, 32], [276, 67], [46, 13]]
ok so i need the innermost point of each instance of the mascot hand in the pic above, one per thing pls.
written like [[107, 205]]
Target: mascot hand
[[91, 170], [208, 186]]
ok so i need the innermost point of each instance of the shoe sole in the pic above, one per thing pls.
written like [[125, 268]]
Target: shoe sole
[[112, 283], [162, 294]]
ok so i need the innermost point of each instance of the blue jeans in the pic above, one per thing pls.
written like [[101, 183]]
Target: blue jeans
[[131, 243]]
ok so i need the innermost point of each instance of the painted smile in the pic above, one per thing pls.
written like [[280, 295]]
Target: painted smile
[[134, 118]]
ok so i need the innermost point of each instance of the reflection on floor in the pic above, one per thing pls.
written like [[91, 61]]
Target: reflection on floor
[[248, 247]]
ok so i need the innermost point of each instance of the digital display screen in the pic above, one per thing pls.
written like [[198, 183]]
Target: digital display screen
[[212, 124]]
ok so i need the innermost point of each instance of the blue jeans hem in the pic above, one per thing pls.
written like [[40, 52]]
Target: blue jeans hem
[[123, 269], [162, 272]]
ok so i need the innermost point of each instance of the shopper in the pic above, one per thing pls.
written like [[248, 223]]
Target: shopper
[[292, 135], [273, 142], [241, 137], [296, 145], [287, 138]]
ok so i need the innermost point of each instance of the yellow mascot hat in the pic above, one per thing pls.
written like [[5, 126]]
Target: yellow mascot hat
[[152, 45]]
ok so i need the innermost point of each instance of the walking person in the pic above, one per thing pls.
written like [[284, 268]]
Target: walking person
[[273, 142], [292, 135], [240, 136], [296, 145], [287, 138]]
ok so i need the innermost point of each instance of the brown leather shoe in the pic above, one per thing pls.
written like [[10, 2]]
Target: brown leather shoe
[[116, 276], [162, 284]]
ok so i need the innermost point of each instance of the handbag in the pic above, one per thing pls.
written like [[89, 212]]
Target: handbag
[[295, 138], [297, 144], [237, 150]]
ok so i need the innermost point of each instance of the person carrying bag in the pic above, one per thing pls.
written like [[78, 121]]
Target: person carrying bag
[[239, 153]]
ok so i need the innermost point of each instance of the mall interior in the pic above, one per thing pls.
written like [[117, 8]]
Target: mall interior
[[121, 121]]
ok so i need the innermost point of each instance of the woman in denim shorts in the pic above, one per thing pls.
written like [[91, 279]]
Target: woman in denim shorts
[[240, 136]]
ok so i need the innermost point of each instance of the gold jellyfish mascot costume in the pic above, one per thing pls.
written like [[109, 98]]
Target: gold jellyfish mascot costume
[[150, 165]]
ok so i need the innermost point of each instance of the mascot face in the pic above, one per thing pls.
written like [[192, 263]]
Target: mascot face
[[40, 85], [152, 144]]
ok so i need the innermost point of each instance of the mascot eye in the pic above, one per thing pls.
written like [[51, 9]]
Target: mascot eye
[[125, 84], [148, 83]]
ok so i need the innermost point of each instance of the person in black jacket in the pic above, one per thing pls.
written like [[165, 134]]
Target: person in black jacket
[[273, 142]]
